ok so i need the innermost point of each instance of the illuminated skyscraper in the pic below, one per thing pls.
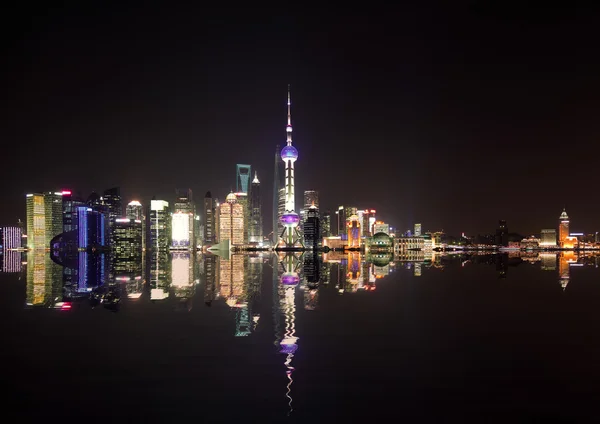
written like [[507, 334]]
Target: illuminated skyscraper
[[354, 231], [127, 238], [242, 199], [209, 219], [159, 238], [231, 220], [311, 197], [548, 238], [111, 198], [289, 155], [563, 228], [275, 205], [280, 210], [311, 227], [325, 224], [70, 204], [182, 227], [341, 222], [44, 218], [134, 210], [255, 229], [242, 178]]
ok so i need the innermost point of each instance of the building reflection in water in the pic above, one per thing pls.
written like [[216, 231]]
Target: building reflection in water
[[565, 260], [183, 281], [159, 275], [287, 283]]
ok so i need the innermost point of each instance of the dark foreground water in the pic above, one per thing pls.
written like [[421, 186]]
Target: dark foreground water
[[281, 339]]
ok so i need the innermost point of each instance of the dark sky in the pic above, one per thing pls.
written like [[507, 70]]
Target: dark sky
[[454, 117]]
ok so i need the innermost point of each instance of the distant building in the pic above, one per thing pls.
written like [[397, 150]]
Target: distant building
[[311, 227], [381, 227], [341, 222], [159, 238], [231, 220], [10, 238], [563, 228], [242, 178], [548, 238], [209, 219], [502, 234], [255, 228], [530, 242], [417, 232], [367, 219], [311, 197]]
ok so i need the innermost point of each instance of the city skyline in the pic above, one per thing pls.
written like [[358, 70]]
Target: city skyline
[[442, 123]]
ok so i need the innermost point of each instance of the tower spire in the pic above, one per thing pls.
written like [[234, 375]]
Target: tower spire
[[289, 122]]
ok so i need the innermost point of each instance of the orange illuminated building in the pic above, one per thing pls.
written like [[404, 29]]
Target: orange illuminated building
[[563, 230]]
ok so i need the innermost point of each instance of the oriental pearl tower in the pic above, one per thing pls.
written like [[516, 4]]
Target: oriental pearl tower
[[289, 155]]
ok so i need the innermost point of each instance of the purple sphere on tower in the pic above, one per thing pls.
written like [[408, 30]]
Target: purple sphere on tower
[[289, 153]]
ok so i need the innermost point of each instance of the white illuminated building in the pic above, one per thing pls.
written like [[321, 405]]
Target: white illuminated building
[[180, 231]]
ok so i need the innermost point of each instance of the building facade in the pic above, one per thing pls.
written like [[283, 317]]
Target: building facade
[[182, 225], [159, 237], [231, 221], [563, 228], [548, 238], [255, 228], [311, 227], [209, 219]]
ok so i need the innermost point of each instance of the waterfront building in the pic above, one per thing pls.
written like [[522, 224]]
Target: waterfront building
[[182, 226], [10, 238], [242, 178], [548, 238], [111, 199], [231, 220], [563, 228], [209, 219], [127, 238], [311, 197], [530, 242], [69, 210], [242, 199], [341, 222], [354, 231], [325, 224], [311, 227], [280, 212], [159, 238], [255, 229], [44, 218], [276, 221], [289, 155], [379, 242], [404, 244]]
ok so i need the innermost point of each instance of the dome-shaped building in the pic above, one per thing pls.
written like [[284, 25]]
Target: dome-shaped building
[[381, 242]]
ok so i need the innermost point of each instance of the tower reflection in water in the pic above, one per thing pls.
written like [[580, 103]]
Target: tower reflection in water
[[288, 270]]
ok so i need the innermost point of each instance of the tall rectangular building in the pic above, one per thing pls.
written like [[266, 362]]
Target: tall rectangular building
[[326, 224], [280, 210], [242, 178], [10, 238], [311, 227], [231, 221], [159, 238], [184, 206], [209, 219], [242, 199], [548, 237], [255, 229], [44, 218]]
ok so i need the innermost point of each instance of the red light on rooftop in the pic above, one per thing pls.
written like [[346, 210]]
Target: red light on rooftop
[[66, 192]]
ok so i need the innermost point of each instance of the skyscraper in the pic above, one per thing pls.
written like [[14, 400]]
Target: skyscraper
[[311, 197], [242, 199], [127, 238], [209, 219], [280, 211], [326, 224], [159, 238], [70, 204], [242, 178], [134, 210], [255, 231], [341, 221], [10, 238], [354, 231], [111, 198], [563, 228], [231, 220], [289, 155], [275, 206], [311, 227], [184, 209], [44, 218]]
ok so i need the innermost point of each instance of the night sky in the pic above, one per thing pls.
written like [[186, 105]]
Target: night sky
[[451, 117]]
